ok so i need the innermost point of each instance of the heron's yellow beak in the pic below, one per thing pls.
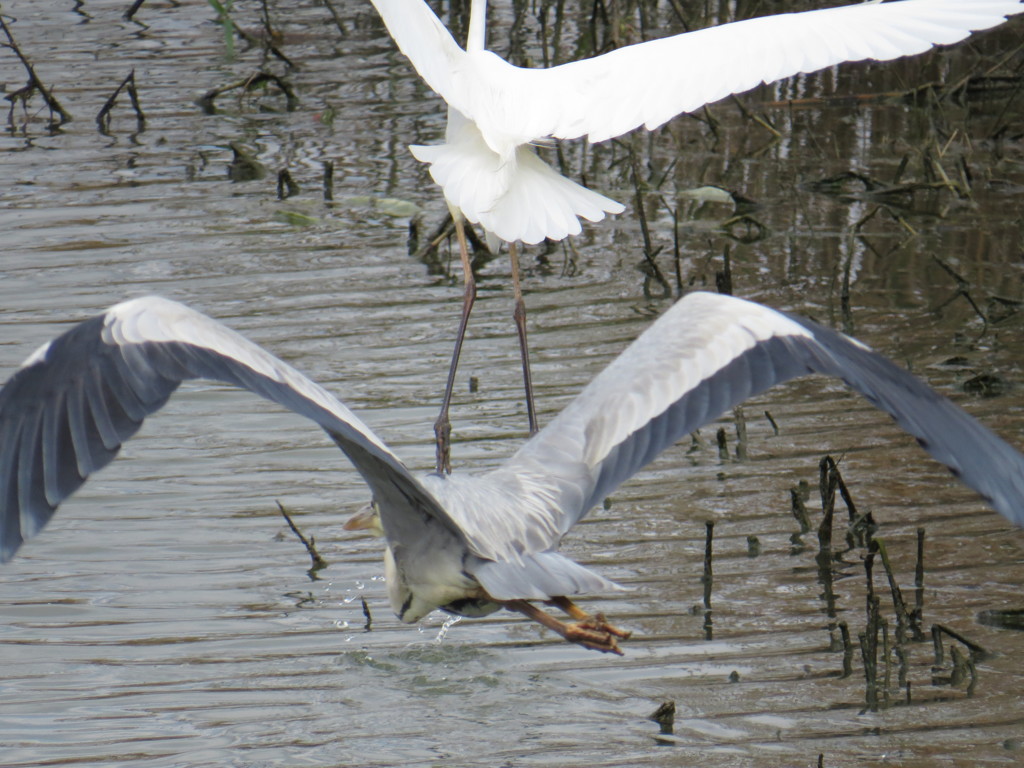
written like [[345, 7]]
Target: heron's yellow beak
[[366, 519]]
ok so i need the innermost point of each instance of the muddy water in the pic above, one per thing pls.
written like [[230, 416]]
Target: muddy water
[[165, 616]]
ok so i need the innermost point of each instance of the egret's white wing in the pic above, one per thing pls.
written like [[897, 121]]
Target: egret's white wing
[[424, 40], [68, 409], [649, 83], [705, 355]]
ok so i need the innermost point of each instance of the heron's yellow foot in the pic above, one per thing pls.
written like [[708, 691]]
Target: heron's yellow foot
[[585, 620], [595, 638], [598, 623], [592, 632]]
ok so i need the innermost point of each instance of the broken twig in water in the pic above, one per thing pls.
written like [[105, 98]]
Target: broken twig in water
[[310, 543], [940, 629], [665, 716], [904, 618], [206, 101], [286, 186], [708, 578], [799, 510], [103, 116], [329, 180], [127, 16], [34, 84], [366, 612], [741, 432]]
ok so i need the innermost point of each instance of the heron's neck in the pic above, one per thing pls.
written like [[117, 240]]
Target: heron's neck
[[476, 40]]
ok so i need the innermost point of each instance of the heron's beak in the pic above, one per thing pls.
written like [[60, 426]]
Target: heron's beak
[[366, 519]]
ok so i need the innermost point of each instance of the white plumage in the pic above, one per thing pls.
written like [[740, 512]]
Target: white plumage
[[487, 168], [490, 173]]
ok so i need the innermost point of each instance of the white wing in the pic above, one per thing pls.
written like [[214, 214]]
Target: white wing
[[651, 82], [705, 355], [65, 413]]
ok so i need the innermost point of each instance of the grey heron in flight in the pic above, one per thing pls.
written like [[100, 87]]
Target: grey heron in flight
[[492, 176], [467, 543]]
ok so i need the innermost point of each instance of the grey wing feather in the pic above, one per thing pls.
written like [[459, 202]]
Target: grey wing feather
[[705, 355], [66, 412]]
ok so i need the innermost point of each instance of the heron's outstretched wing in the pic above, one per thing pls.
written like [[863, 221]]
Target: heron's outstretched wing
[[68, 409], [705, 355], [651, 82]]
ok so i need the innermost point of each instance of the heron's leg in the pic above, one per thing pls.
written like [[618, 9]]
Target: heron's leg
[[589, 637], [443, 426], [519, 315], [597, 621]]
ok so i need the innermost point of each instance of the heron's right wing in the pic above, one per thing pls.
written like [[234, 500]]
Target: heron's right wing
[[65, 413], [705, 355]]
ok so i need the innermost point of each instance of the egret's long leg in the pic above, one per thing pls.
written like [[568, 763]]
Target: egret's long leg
[[519, 315], [596, 639], [443, 426]]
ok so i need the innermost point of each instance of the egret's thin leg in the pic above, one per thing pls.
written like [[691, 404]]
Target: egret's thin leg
[[519, 315], [443, 426], [588, 637], [596, 621]]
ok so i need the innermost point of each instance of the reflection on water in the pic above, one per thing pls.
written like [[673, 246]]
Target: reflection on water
[[165, 617]]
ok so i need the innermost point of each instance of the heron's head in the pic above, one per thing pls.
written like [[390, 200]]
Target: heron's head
[[366, 519], [399, 595]]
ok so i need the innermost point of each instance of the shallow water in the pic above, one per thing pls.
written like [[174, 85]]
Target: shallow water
[[165, 616]]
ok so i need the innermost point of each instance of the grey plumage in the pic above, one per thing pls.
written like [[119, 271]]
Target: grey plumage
[[66, 412]]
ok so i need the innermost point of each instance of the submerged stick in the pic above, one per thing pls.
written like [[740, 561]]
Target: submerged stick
[[34, 83], [799, 510], [366, 612], [919, 580], [741, 432], [127, 16], [309, 544], [904, 618], [329, 180], [103, 116], [708, 578], [286, 186], [939, 629], [206, 101]]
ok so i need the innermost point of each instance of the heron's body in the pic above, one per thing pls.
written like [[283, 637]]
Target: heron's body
[[468, 543]]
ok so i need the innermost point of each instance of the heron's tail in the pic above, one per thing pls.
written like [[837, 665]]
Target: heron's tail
[[539, 576]]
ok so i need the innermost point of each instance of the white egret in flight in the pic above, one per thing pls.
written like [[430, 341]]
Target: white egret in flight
[[466, 543], [492, 176]]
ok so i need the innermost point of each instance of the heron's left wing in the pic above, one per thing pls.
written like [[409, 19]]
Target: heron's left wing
[[65, 413], [705, 355]]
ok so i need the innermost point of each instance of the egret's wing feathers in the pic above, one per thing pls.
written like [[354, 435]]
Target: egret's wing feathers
[[651, 82], [424, 40], [705, 355], [68, 409]]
